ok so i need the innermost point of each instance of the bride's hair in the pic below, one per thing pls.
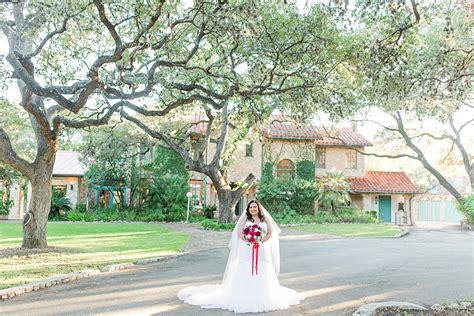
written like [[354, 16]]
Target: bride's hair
[[260, 213]]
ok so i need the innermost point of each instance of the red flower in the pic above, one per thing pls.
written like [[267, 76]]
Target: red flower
[[252, 239], [257, 234], [246, 230]]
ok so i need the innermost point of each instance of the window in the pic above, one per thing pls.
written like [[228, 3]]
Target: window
[[61, 189], [196, 197], [195, 147], [285, 169], [351, 159], [249, 150], [320, 160]]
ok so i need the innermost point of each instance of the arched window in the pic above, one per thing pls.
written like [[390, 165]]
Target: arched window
[[285, 169]]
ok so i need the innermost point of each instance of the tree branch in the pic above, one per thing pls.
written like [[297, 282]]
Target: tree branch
[[8, 156]]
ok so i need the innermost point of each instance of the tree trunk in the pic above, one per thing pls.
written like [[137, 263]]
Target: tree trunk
[[227, 203], [316, 207], [36, 219]]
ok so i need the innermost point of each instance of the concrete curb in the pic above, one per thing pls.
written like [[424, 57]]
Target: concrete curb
[[369, 309], [11, 292]]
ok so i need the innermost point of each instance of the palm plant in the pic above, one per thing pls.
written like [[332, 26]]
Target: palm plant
[[333, 190]]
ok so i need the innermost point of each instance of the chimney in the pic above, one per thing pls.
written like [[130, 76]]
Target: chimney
[[354, 126]]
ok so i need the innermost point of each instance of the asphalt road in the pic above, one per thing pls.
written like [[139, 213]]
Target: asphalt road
[[337, 275]]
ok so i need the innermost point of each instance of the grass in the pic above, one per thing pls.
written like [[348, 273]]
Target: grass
[[79, 246], [351, 230]]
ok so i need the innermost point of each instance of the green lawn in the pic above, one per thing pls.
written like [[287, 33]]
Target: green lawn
[[351, 230], [81, 246]]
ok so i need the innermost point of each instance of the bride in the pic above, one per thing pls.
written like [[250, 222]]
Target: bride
[[250, 282]]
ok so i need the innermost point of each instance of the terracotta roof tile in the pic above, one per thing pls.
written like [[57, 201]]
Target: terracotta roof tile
[[341, 136], [383, 182], [282, 128]]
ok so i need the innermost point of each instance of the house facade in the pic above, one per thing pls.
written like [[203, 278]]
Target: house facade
[[285, 143], [68, 177]]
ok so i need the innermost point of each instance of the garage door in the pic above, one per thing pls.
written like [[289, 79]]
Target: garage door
[[438, 211], [451, 213]]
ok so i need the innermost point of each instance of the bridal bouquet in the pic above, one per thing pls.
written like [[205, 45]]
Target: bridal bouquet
[[253, 234]]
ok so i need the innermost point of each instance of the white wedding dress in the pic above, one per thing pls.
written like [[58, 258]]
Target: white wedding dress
[[241, 291]]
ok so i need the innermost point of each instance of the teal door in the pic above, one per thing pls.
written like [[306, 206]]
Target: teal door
[[385, 208]]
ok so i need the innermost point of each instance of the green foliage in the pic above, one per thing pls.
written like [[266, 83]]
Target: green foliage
[[14, 120], [166, 162], [305, 170], [342, 216], [75, 216], [168, 196], [467, 209], [5, 205], [112, 154], [419, 66], [60, 204], [278, 196], [209, 211], [333, 190], [267, 172], [210, 224]]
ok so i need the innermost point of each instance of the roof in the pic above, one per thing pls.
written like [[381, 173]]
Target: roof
[[67, 163], [383, 182], [282, 128], [342, 136]]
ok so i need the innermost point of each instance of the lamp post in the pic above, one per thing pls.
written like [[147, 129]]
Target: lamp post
[[189, 195]]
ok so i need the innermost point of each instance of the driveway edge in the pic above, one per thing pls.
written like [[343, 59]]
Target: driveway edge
[[11, 292]]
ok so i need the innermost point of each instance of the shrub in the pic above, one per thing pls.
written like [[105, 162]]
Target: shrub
[[74, 216], [5, 205], [168, 194], [210, 224], [351, 215], [468, 209], [209, 210], [60, 204], [278, 196]]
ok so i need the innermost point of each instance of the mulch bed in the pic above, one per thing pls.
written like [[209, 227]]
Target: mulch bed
[[397, 311]]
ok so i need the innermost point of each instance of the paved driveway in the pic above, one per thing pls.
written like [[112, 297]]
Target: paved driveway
[[336, 274]]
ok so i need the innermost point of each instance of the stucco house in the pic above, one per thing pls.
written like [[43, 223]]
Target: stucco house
[[284, 143], [68, 176]]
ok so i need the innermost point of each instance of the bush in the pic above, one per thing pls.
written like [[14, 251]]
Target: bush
[[351, 215], [80, 207], [60, 204], [210, 224], [168, 195], [468, 209], [74, 216], [6, 205], [209, 210], [297, 195]]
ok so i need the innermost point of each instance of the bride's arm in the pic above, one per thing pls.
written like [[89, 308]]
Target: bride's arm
[[267, 236]]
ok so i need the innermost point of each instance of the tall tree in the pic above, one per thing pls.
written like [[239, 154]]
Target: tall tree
[[417, 63], [252, 59], [65, 57]]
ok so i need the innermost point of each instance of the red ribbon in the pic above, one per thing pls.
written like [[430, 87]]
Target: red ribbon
[[255, 257]]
